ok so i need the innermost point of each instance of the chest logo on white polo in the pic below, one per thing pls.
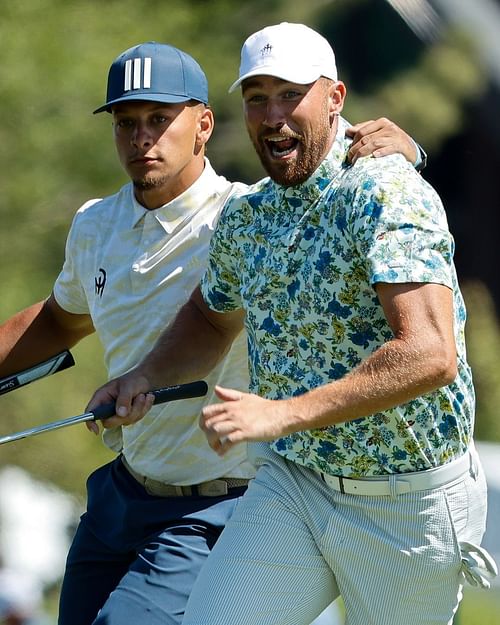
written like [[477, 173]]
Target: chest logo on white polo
[[100, 282]]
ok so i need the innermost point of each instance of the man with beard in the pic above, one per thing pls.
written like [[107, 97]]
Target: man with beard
[[131, 261], [361, 411]]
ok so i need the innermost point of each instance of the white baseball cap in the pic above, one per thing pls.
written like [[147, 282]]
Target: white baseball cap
[[292, 52]]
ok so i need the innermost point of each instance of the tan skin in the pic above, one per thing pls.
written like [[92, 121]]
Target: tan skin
[[162, 147], [419, 358], [289, 141], [380, 137]]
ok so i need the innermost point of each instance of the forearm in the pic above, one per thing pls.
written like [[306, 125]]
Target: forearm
[[394, 374], [189, 348], [34, 334]]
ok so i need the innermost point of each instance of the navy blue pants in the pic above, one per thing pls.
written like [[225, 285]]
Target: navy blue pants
[[135, 557]]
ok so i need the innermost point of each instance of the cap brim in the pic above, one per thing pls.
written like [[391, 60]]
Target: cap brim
[[162, 98], [285, 73]]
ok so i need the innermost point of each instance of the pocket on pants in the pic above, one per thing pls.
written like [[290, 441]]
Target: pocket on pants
[[467, 506]]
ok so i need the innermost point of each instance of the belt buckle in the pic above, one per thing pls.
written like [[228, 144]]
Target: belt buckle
[[158, 489], [214, 488]]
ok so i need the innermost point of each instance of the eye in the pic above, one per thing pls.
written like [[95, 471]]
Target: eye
[[160, 119], [124, 122], [292, 94], [256, 98]]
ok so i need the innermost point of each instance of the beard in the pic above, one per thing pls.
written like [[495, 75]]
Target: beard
[[147, 183], [311, 151]]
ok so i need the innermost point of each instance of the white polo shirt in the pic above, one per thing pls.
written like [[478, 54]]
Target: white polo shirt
[[132, 269]]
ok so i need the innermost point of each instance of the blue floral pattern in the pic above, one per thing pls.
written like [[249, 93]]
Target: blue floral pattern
[[302, 262]]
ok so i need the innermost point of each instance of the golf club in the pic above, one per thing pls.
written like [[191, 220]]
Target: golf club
[[56, 363], [162, 395]]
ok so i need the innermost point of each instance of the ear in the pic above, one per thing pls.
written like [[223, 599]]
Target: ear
[[337, 93], [205, 126]]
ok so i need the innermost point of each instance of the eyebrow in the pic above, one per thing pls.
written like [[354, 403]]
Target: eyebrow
[[248, 83]]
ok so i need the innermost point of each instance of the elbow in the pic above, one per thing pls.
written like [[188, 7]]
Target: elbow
[[444, 369], [449, 373]]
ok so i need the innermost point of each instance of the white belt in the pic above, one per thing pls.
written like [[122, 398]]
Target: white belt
[[399, 483]]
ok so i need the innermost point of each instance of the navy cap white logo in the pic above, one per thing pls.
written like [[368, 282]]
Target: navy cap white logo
[[155, 72]]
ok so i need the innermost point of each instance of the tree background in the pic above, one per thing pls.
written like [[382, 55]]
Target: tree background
[[54, 155]]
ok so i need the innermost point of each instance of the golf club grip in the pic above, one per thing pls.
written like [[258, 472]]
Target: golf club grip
[[162, 395], [58, 362]]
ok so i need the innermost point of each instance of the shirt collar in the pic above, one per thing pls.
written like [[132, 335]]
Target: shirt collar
[[170, 215]]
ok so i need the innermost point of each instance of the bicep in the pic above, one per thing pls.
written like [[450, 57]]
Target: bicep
[[421, 312], [71, 325], [227, 324]]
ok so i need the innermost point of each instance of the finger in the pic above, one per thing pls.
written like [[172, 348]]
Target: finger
[[141, 405], [359, 150], [211, 412], [222, 444], [126, 401], [225, 445], [213, 440], [376, 146], [381, 126], [130, 388], [92, 427], [218, 424], [228, 394], [104, 395], [138, 408], [386, 150], [356, 128], [362, 146]]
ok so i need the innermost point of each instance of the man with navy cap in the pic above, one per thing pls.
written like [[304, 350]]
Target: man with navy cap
[[132, 260]]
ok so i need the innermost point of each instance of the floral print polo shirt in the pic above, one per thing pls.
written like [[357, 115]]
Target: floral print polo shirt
[[302, 262]]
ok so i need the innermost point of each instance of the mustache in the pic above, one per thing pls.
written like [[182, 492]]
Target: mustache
[[280, 136]]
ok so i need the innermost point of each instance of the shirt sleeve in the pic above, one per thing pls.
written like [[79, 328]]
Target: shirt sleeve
[[220, 283], [400, 227], [68, 288]]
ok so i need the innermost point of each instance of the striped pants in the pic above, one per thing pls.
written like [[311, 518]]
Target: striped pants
[[293, 545]]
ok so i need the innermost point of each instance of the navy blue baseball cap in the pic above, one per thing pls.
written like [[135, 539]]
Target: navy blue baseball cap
[[156, 72]]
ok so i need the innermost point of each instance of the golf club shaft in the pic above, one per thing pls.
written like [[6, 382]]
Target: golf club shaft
[[162, 395]]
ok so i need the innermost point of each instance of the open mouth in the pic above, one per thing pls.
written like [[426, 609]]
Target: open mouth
[[281, 146]]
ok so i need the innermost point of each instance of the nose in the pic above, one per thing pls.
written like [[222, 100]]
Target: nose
[[141, 136], [275, 115]]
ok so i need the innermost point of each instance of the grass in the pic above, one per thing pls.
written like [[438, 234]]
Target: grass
[[479, 607]]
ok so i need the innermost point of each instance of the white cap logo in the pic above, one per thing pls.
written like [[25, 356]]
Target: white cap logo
[[266, 50]]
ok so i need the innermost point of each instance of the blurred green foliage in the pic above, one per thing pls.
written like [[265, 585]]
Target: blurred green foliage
[[55, 155]]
